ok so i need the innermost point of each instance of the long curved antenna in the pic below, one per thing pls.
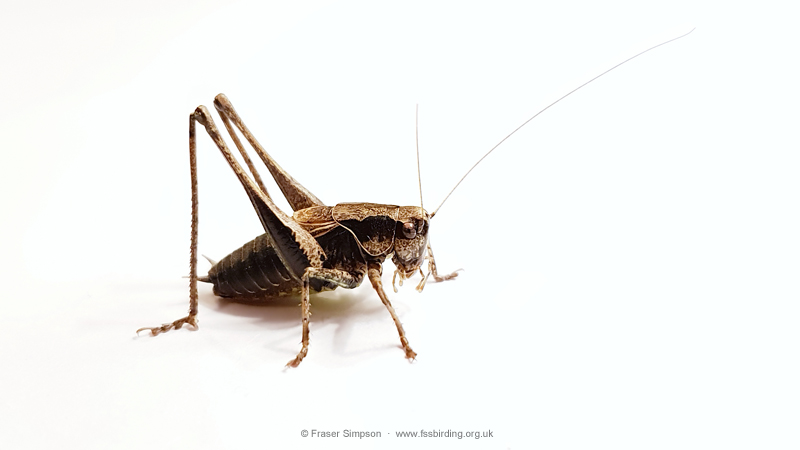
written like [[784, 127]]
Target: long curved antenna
[[416, 136], [545, 109]]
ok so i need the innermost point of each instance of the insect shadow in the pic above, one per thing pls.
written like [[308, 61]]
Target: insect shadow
[[342, 311]]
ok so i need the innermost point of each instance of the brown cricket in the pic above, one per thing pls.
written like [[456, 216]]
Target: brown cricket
[[318, 248]]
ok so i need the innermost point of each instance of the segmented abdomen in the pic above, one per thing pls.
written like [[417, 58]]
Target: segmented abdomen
[[253, 270]]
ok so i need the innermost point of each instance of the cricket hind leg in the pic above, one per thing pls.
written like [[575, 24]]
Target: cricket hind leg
[[298, 250], [341, 278], [191, 318], [202, 116], [296, 194]]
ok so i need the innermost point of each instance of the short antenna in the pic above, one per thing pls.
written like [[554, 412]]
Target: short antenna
[[543, 110]]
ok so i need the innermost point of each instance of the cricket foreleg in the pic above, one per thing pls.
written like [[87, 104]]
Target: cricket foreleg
[[432, 271], [341, 278], [374, 273]]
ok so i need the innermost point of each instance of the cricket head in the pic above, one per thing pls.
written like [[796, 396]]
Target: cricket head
[[410, 240]]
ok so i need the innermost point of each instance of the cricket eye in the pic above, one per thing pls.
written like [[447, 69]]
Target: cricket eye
[[409, 230]]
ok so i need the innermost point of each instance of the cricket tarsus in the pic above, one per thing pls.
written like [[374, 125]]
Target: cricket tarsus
[[188, 320]]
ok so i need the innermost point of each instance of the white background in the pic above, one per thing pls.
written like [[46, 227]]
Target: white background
[[631, 257]]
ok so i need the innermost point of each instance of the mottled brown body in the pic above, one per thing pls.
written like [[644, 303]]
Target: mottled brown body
[[350, 234], [319, 248]]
